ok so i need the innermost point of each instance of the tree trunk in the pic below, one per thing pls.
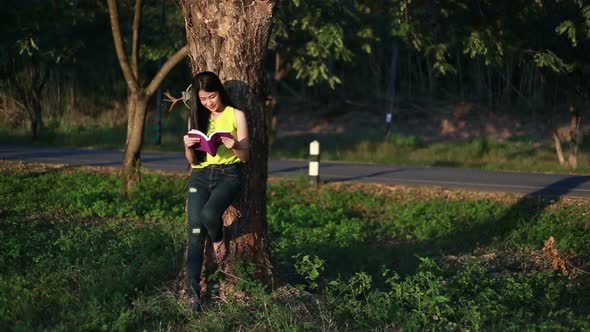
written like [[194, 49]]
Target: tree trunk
[[431, 79], [575, 137], [391, 88], [136, 114], [36, 115], [575, 140], [230, 38], [31, 93], [138, 97], [507, 92], [410, 73], [459, 75], [490, 87]]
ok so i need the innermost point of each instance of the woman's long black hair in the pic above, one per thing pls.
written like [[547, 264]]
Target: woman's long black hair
[[199, 114]]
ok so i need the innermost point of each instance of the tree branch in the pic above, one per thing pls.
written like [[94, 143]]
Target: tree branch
[[44, 78], [280, 70], [135, 43], [166, 68], [118, 40]]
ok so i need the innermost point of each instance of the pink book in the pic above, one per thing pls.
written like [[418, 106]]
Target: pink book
[[209, 143]]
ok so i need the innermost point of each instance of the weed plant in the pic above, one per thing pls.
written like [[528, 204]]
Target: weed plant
[[76, 256]]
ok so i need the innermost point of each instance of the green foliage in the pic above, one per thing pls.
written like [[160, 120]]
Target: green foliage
[[568, 226], [478, 147], [300, 225], [163, 31], [76, 271], [344, 43], [443, 298], [67, 266], [551, 60], [484, 43], [310, 268], [310, 36], [567, 27], [93, 195], [245, 272], [32, 34], [578, 28], [586, 18], [413, 142]]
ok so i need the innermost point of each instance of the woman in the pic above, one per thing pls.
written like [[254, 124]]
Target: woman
[[215, 180]]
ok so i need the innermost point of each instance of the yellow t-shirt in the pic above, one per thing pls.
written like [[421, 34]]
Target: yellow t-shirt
[[227, 122]]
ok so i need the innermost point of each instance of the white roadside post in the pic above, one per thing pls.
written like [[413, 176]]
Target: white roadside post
[[388, 126], [314, 163]]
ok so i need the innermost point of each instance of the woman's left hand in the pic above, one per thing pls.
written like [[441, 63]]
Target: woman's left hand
[[229, 142]]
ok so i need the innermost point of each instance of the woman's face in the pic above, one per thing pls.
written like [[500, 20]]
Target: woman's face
[[211, 100]]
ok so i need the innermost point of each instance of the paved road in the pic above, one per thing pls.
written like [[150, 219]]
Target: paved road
[[529, 183]]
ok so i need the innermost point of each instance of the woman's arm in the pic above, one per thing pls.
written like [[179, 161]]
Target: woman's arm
[[189, 152], [241, 145]]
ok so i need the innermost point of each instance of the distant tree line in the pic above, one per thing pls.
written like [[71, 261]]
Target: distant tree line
[[58, 56]]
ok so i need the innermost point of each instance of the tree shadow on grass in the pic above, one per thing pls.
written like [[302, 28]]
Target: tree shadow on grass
[[525, 211], [404, 256], [346, 261]]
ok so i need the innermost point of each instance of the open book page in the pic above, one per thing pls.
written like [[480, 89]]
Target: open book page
[[209, 143]]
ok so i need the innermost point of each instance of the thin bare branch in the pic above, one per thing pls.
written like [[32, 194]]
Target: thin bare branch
[[135, 43], [166, 68], [118, 40]]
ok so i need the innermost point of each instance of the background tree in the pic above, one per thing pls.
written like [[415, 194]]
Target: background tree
[[336, 56], [35, 45], [230, 38], [577, 30], [308, 37], [138, 96]]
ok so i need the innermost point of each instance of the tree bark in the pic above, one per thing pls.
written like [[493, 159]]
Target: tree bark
[[575, 137], [575, 140], [138, 97], [38, 82], [136, 114], [230, 38], [29, 90]]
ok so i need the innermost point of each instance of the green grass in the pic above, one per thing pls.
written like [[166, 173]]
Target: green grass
[[76, 256], [518, 154]]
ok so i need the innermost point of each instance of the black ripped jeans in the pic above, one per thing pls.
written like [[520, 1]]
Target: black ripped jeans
[[210, 191]]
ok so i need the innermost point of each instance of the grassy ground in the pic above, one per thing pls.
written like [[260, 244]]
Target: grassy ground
[[75, 256]]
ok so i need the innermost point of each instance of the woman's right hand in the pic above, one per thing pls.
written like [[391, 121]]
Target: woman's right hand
[[190, 141]]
